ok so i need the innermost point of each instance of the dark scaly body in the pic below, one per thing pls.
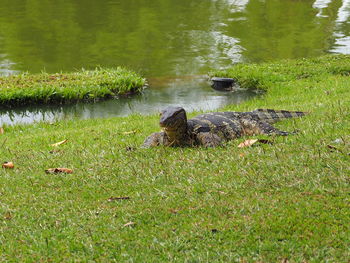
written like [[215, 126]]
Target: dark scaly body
[[211, 129]]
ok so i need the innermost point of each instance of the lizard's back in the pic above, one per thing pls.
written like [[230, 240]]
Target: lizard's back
[[227, 125], [231, 125]]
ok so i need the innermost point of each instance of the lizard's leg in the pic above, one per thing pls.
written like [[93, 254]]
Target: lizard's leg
[[208, 139], [155, 139], [254, 127]]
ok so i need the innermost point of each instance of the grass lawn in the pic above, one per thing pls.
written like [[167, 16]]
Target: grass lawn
[[83, 85], [286, 202]]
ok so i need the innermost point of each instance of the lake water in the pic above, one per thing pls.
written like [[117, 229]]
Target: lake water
[[172, 43]]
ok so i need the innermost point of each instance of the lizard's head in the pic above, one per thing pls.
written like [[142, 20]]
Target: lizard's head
[[173, 118]]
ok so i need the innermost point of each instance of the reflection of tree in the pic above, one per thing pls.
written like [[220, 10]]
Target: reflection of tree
[[284, 29], [161, 36], [43, 34], [56, 35]]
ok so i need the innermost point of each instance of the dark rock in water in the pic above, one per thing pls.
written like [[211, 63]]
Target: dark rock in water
[[224, 84]]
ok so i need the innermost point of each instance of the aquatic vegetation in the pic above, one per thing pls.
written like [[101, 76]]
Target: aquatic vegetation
[[83, 85]]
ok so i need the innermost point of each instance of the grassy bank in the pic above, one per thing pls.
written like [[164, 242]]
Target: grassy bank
[[286, 202], [84, 85]]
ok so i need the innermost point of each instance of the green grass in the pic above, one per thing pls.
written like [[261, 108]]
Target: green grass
[[286, 202], [84, 85], [265, 76]]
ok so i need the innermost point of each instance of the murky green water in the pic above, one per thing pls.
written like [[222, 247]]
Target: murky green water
[[165, 39]]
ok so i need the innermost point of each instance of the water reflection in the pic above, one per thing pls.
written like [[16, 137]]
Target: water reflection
[[320, 5], [192, 93], [6, 67], [341, 34], [165, 37]]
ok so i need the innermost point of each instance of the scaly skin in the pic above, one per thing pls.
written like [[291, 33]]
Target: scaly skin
[[212, 129]]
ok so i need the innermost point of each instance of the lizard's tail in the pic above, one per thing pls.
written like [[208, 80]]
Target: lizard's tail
[[271, 116]]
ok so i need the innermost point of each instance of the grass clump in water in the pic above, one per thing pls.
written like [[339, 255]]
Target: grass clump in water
[[84, 85], [285, 202], [263, 76]]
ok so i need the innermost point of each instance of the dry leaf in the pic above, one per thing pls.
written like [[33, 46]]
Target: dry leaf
[[54, 151], [59, 143], [129, 132], [174, 211], [250, 142], [247, 143], [8, 216], [8, 165], [58, 170], [111, 199], [2, 131], [129, 224], [333, 148]]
